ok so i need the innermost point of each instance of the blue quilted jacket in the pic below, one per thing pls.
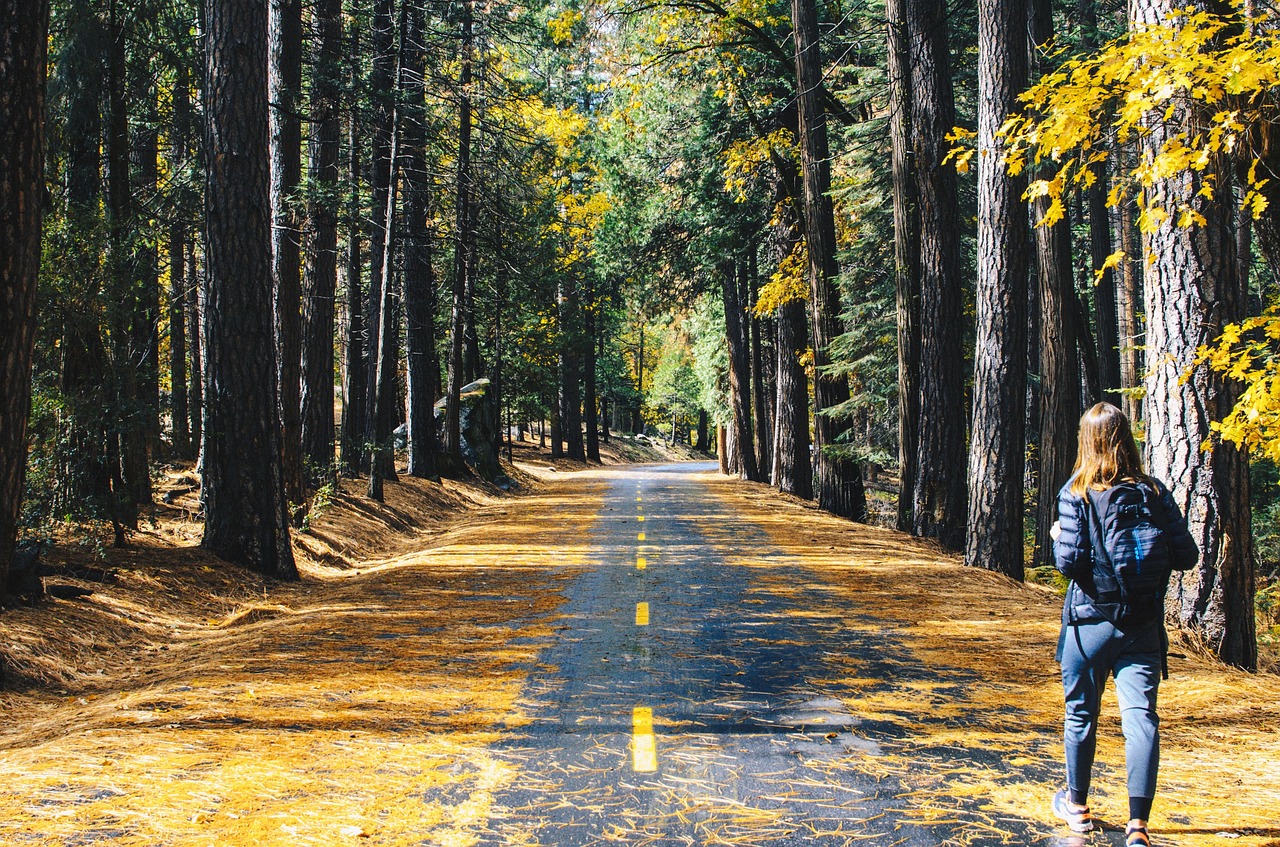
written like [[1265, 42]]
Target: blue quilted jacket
[[1073, 549]]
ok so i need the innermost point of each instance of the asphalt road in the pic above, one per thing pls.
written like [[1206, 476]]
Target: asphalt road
[[676, 705]]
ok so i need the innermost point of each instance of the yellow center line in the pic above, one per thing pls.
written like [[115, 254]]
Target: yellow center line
[[640, 518], [640, 536], [642, 614], [644, 749], [641, 562]]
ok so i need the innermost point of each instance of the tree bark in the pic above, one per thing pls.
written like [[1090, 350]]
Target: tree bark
[[87, 386], [383, 418], [763, 421], [997, 446], [1129, 307], [569, 309], [739, 373], [284, 88], [1059, 340], [246, 518], [144, 329], [321, 275], [1192, 290], [1100, 243], [179, 153], [134, 471], [590, 400], [906, 257], [939, 489], [23, 53], [195, 342], [419, 274], [464, 244], [354, 389], [381, 82], [840, 488], [795, 470]]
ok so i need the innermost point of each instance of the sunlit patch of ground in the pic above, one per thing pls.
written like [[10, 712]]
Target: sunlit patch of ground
[[342, 710], [979, 738], [189, 703]]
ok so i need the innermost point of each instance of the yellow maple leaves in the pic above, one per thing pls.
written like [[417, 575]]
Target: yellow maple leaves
[[1167, 75], [1199, 91], [1249, 353]]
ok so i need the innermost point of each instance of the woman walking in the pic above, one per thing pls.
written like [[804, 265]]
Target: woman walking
[[1119, 536]]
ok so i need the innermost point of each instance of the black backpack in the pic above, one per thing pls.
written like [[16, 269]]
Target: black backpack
[[1132, 560]]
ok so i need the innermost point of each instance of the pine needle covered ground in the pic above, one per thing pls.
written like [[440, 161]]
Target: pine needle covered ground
[[980, 740], [186, 703]]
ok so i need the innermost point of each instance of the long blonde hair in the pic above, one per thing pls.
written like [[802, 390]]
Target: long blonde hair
[[1108, 454]]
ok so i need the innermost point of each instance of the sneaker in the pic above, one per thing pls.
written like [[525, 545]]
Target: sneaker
[[1078, 819], [1137, 836]]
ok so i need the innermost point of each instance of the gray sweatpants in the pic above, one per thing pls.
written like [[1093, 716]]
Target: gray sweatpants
[[1091, 651]]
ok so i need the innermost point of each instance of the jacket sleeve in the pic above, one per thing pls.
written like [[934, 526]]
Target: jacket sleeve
[[1183, 553], [1072, 552]]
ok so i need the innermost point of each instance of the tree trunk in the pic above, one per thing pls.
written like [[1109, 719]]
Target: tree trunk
[[1059, 374], [1059, 343], [195, 342], [997, 447], [568, 305], [145, 321], [85, 484], [795, 471], [1090, 379], [763, 421], [383, 418], [638, 425], [1100, 243], [23, 51], [722, 449], [461, 261], [906, 257], [739, 374], [136, 477], [702, 445], [246, 518], [1129, 308], [840, 488], [381, 81], [419, 274], [284, 88], [1192, 290], [557, 432], [354, 389], [320, 278], [939, 488], [590, 400], [179, 152]]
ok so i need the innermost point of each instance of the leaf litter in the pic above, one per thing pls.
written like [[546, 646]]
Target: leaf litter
[[364, 706]]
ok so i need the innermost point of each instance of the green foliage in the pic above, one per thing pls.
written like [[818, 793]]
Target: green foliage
[[710, 357]]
